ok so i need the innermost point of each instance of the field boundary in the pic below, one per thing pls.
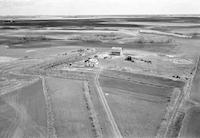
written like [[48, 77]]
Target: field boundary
[[187, 94], [50, 117], [183, 96], [168, 113], [92, 113]]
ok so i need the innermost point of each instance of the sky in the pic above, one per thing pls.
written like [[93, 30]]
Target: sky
[[98, 7]]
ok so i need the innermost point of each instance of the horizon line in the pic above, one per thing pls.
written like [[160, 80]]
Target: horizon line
[[195, 14]]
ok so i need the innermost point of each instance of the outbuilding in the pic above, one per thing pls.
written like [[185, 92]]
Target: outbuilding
[[117, 51]]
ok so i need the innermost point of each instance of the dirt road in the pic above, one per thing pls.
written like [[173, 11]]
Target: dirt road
[[116, 132]]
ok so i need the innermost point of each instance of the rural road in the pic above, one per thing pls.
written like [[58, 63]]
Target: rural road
[[115, 128]]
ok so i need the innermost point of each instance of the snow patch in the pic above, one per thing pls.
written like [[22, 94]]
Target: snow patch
[[4, 59], [28, 51]]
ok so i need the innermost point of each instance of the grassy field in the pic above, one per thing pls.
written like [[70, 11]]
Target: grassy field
[[35, 53], [71, 115], [135, 117], [191, 124], [138, 105], [9, 81], [135, 87], [23, 113], [143, 78]]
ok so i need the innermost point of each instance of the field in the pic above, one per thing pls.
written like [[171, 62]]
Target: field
[[190, 127], [137, 106], [23, 112], [9, 81], [71, 115], [135, 117], [141, 78], [137, 87]]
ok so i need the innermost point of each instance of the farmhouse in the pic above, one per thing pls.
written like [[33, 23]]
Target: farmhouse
[[117, 51]]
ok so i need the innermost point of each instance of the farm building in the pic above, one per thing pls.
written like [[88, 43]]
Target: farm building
[[91, 62], [117, 51]]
